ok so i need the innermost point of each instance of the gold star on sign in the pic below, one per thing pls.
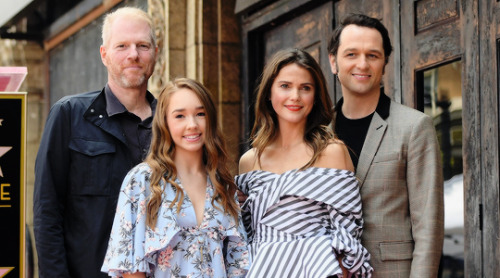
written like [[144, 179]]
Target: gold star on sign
[[3, 150], [5, 270]]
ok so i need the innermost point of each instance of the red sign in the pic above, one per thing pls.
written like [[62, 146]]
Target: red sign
[[11, 79]]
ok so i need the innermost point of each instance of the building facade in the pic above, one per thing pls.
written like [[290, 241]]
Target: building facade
[[445, 62]]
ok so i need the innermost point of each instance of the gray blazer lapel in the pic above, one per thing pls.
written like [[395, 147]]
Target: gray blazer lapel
[[373, 139]]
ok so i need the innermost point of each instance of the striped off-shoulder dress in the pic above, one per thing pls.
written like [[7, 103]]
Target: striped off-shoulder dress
[[298, 222]]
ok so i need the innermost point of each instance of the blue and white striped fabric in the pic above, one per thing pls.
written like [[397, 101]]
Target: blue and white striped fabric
[[297, 222]]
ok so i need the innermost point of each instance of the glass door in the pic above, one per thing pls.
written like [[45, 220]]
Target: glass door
[[441, 98]]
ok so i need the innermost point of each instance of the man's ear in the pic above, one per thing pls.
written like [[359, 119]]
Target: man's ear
[[333, 63], [102, 50]]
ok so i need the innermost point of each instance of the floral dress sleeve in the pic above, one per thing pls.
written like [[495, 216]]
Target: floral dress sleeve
[[237, 257], [126, 253]]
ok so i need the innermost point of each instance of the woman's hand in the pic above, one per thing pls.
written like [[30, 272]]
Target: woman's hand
[[345, 272], [241, 197], [135, 275]]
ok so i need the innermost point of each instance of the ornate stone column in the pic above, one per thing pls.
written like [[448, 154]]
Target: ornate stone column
[[200, 39]]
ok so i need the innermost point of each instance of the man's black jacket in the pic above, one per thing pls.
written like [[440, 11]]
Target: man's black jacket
[[80, 166]]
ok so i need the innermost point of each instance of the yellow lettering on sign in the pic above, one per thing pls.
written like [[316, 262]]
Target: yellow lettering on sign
[[4, 195]]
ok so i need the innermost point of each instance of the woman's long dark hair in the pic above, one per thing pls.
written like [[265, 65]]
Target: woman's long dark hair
[[317, 133]]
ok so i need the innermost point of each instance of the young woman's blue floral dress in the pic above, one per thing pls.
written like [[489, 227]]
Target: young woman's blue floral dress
[[177, 247]]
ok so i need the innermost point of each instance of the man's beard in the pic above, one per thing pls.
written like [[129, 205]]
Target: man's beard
[[137, 82]]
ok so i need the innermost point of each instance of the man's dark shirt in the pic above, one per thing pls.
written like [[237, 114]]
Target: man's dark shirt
[[137, 132], [353, 132]]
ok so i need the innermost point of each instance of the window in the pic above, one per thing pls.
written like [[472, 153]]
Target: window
[[440, 96]]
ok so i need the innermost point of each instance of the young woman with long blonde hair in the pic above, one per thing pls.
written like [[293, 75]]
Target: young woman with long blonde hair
[[177, 215]]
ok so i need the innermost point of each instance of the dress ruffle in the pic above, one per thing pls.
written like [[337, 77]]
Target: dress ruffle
[[136, 247], [336, 189]]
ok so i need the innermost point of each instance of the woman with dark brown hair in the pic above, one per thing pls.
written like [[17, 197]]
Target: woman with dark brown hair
[[303, 211]]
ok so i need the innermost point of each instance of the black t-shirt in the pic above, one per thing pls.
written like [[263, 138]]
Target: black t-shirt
[[353, 133]]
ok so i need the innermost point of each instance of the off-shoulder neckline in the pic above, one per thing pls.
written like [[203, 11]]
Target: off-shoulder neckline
[[296, 170]]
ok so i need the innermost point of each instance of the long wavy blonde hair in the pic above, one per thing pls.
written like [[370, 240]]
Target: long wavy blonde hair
[[162, 152], [317, 133]]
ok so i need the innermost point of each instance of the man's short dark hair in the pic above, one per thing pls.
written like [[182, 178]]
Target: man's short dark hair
[[363, 21]]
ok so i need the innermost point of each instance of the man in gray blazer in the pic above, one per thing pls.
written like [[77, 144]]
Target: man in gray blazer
[[395, 152]]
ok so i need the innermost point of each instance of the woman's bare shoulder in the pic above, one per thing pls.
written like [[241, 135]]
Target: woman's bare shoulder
[[248, 161], [336, 155]]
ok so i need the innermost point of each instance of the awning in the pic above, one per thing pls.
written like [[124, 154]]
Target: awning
[[9, 9]]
